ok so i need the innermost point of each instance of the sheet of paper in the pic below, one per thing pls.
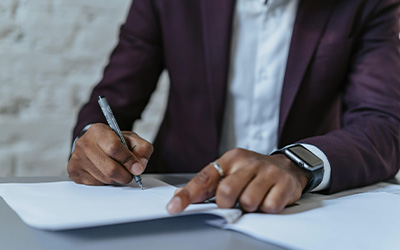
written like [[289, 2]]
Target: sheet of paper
[[361, 221], [66, 205], [368, 220]]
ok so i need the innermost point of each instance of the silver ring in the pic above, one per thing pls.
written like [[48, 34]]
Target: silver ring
[[219, 169]]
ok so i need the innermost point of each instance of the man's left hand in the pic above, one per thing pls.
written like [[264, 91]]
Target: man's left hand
[[256, 181]]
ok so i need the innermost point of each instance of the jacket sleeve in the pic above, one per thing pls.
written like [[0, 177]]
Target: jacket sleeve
[[132, 72], [366, 148]]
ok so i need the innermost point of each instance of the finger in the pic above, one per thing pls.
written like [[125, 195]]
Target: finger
[[90, 168], [230, 188], [177, 190], [105, 173], [103, 165], [83, 177], [88, 179], [200, 188], [76, 169], [112, 146], [279, 196], [141, 148], [254, 194]]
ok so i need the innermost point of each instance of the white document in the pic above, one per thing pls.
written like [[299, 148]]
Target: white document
[[361, 221], [66, 205], [368, 219]]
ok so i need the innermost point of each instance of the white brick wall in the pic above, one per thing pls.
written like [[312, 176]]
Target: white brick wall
[[51, 54]]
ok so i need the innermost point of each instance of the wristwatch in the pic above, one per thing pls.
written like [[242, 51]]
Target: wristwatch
[[306, 160]]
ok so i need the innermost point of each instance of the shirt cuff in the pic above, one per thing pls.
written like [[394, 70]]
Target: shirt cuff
[[326, 179]]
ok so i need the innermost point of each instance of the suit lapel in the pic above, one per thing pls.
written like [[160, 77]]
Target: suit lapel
[[217, 25], [217, 29], [310, 23]]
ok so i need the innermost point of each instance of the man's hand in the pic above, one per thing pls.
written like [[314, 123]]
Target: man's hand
[[256, 181], [100, 157]]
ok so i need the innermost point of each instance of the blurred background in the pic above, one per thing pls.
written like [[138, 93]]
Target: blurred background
[[52, 52]]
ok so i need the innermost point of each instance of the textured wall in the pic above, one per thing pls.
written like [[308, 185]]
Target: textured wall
[[51, 54]]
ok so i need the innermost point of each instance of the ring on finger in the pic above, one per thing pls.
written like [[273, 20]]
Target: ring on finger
[[219, 169]]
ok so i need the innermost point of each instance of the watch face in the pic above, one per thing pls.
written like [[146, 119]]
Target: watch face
[[305, 155]]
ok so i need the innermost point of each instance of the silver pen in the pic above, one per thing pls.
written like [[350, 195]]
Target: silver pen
[[108, 114]]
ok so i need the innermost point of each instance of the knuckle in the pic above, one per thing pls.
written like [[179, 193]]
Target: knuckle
[[77, 156], [248, 203], [144, 147], [236, 152], [150, 148], [80, 143], [254, 166], [112, 149], [270, 206], [96, 127], [75, 176], [203, 177], [72, 159], [73, 169], [144, 144], [112, 172], [225, 190], [93, 128], [273, 171], [128, 158]]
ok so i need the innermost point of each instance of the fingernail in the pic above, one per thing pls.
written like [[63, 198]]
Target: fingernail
[[144, 162], [137, 168], [177, 190], [174, 206]]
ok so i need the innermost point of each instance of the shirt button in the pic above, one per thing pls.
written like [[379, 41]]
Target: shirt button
[[259, 136], [263, 74]]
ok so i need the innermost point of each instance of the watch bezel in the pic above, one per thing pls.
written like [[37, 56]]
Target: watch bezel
[[301, 161]]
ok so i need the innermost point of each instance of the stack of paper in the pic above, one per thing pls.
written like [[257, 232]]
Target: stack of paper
[[367, 220], [66, 205]]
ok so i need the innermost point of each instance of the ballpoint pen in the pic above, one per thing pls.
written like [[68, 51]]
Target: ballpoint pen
[[112, 122]]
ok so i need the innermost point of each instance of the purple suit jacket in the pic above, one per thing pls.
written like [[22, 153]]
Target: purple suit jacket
[[341, 90]]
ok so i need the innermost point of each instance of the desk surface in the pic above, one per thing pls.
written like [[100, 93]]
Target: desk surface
[[171, 233]]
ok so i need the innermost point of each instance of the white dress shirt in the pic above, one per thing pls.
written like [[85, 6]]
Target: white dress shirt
[[259, 49]]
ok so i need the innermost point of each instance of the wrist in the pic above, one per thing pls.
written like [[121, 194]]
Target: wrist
[[304, 159], [303, 177]]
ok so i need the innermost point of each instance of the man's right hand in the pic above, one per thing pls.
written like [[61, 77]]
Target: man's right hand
[[100, 157]]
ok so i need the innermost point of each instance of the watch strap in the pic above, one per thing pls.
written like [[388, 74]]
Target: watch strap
[[315, 180]]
